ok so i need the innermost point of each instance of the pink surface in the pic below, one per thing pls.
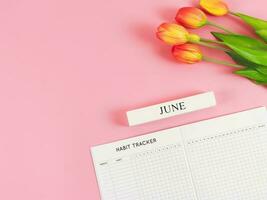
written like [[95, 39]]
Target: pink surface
[[70, 70]]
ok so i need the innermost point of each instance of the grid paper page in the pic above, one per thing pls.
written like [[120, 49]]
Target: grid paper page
[[230, 165], [218, 159], [156, 172]]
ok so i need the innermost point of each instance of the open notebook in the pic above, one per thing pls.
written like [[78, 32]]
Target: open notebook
[[219, 159]]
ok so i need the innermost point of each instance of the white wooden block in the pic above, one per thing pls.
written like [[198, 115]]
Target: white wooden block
[[171, 108]]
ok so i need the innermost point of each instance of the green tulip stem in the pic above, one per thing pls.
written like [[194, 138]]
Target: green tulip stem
[[233, 13], [213, 46], [219, 26], [211, 41], [220, 62]]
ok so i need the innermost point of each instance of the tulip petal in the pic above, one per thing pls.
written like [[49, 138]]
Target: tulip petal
[[214, 7]]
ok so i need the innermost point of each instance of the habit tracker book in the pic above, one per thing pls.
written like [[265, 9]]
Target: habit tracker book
[[217, 159]]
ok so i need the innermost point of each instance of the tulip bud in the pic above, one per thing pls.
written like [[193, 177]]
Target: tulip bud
[[172, 34], [175, 34], [214, 7], [191, 17], [187, 53]]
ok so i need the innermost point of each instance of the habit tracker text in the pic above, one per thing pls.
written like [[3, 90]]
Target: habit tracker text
[[136, 144]]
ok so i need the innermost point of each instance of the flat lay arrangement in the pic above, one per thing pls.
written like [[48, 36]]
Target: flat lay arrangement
[[133, 100]]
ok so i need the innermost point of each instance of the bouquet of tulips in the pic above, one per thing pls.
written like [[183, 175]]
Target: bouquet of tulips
[[249, 54]]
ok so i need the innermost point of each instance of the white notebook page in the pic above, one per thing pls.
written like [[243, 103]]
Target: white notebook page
[[221, 158], [138, 172]]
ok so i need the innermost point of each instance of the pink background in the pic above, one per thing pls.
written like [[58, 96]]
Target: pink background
[[69, 71]]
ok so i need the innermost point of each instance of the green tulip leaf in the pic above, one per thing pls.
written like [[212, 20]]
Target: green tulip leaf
[[259, 25], [260, 82], [240, 40], [251, 49], [256, 23], [253, 74], [244, 62], [262, 33]]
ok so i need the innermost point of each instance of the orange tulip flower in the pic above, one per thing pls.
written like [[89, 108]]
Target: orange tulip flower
[[214, 7], [191, 53], [187, 53], [174, 34], [191, 17]]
